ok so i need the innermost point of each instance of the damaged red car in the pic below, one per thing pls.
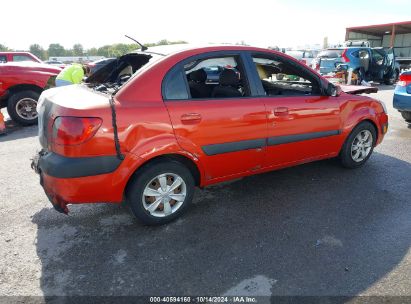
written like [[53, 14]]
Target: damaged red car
[[157, 123]]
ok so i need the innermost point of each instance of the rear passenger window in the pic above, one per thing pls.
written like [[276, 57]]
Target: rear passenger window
[[280, 77], [22, 58], [3, 59], [174, 86], [216, 78]]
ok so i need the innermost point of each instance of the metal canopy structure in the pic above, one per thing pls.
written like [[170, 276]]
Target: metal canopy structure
[[381, 30]]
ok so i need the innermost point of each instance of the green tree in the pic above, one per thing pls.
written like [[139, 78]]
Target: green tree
[[56, 50], [37, 50], [3, 48], [92, 52], [104, 51], [78, 50], [69, 52]]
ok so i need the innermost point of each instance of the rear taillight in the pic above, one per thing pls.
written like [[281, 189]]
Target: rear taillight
[[344, 56], [69, 130], [405, 80]]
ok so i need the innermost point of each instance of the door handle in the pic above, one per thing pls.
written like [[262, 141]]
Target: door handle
[[281, 111], [190, 118]]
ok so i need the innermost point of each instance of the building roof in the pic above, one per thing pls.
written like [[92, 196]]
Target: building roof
[[382, 29]]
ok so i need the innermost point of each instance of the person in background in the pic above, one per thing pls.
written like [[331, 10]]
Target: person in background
[[2, 125], [72, 74]]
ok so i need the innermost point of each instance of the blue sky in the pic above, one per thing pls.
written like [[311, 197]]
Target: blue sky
[[258, 22]]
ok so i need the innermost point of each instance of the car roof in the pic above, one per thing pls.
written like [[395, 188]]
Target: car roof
[[13, 52], [26, 64], [178, 48]]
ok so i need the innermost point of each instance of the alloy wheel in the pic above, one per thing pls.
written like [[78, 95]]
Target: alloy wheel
[[164, 194], [361, 146], [26, 108]]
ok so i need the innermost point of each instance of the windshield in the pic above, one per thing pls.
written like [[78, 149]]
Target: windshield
[[330, 54]]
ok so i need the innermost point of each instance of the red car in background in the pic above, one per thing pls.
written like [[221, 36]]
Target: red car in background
[[18, 56], [21, 84], [168, 128]]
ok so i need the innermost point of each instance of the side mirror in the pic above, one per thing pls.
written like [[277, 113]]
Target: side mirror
[[333, 90]]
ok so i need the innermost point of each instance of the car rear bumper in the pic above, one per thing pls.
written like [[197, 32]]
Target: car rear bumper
[[67, 180], [59, 166]]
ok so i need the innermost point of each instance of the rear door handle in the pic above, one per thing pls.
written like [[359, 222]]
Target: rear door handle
[[190, 118], [281, 111]]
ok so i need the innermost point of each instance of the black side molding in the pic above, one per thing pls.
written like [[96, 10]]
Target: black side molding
[[69, 167], [278, 140], [215, 149], [233, 146]]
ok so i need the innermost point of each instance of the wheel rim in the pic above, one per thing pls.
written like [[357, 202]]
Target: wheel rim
[[361, 146], [164, 194], [26, 108]]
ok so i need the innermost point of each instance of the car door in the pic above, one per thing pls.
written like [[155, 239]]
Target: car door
[[226, 133], [378, 64], [302, 123]]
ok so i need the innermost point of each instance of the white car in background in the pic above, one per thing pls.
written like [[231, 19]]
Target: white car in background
[[305, 56]]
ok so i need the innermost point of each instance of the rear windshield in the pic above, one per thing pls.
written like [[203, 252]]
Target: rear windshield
[[330, 54]]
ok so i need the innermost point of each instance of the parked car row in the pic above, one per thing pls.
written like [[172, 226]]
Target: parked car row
[[368, 64]]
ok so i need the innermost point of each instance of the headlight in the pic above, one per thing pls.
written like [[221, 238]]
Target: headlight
[[383, 105]]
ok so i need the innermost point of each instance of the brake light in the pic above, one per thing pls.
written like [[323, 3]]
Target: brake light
[[344, 56], [69, 130], [404, 80]]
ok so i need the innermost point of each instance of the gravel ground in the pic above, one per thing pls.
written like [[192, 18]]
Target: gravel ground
[[315, 229]]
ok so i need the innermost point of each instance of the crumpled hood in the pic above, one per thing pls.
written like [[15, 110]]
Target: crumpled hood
[[352, 89]]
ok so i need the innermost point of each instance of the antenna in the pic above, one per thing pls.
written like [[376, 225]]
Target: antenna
[[143, 47]]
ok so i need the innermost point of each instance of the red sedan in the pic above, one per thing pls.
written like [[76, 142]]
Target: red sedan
[[150, 138]]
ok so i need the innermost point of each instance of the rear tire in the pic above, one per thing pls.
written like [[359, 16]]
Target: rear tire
[[151, 197], [358, 146], [406, 116], [21, 107], [393, 79]]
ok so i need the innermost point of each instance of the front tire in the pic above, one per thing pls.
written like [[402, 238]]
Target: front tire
[[359, 145], [22, 107], [160, 192], [406, 116]]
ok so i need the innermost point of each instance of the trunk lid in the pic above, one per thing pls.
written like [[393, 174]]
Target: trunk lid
[[327, 65], [73, 100], [329, 58]]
